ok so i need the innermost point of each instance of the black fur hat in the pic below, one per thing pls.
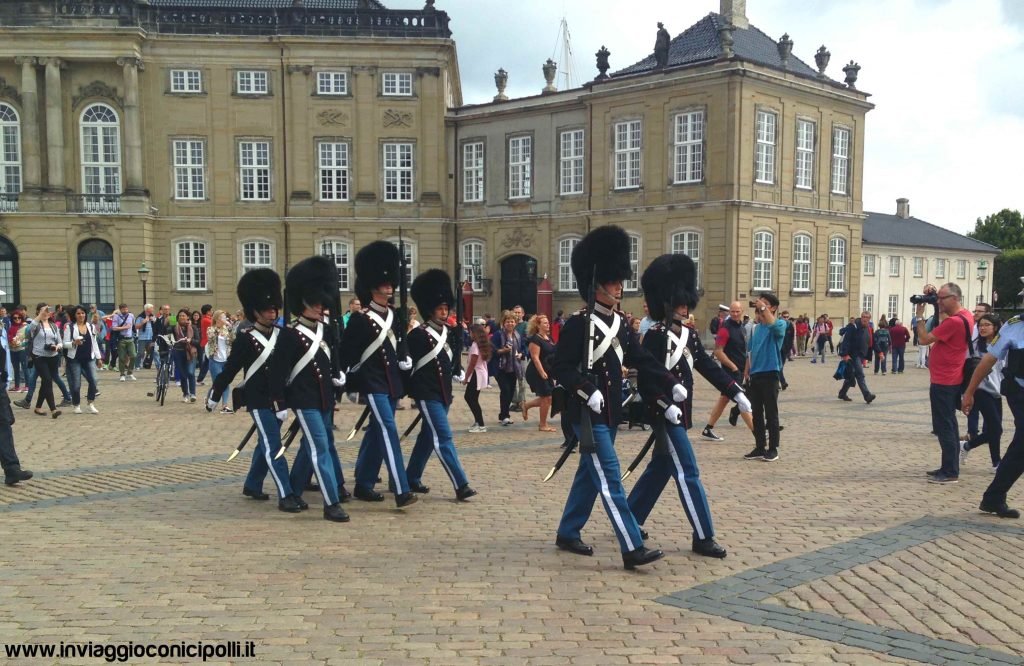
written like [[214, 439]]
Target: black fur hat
[[313, 281], [257, 290], [670, 280], [431, 289], [607, 248], [376, 264]]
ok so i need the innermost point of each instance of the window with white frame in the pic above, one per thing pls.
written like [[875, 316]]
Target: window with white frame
[[961, 269], [627, 154], [410, 258], [764, 158], [186, 81], [254, 170], [398, 181], [341, 252], [473, 171], [520, 154], [688, 243], [334, 170], [472, 258], [633, 282], [566, 280], [940, 268], [867, 303], [764, 258], [189, 169], [256, 254], [571, 162], [837, 264], [251, 83], [894, 266], [804, 154], [331, 83], [894, 303], [869, 264], [192, 267], [397, 84], [688, 148], [101, 150], [801, 262], [840, 160], [10, 151], [918, 266]]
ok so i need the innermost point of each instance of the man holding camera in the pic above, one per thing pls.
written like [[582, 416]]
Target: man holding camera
[[761, 375], [949, 335]]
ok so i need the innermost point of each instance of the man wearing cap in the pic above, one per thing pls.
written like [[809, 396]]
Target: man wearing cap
[[716, 323]]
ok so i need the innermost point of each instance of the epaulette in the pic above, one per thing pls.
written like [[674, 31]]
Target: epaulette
[[1015, 319]]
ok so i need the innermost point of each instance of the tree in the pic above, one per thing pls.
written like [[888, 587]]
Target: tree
[[1005, 278], [1005, 230]]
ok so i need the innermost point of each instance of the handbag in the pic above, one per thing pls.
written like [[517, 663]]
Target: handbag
[[971, 362], [840, 373]]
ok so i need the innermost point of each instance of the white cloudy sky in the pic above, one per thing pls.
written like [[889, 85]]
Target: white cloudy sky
[[947, 77]]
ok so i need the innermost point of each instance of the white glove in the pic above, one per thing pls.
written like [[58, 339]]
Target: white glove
[[679, 393], [673, 414], [743, 403], [339, 381], [405, 364], [282, 415], [596, 402], [461, 378], [211, 404]]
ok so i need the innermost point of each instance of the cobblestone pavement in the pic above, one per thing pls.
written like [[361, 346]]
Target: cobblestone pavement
[[135, 529]]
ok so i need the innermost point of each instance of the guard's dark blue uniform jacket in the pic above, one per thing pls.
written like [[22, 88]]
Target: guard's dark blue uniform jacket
[[434, 380], [380, 372], [262, 391], [312, 387], [656, 341], [607, 370]]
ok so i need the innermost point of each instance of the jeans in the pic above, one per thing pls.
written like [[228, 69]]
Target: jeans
[[821, 348], [944, 401], [317, 455], [186, 372], [143, 352], [990, 407], [880, 359], [381, 440], [33, 376], [19, 362], [764, 398], [76, 370], [855, 377], [897, 358], [1013, 460], [269, 429], [203, 363], [217, 367], [435, 435]]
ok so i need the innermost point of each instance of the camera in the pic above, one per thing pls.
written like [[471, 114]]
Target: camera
[[931, 299], [752, 304], [51, 348]]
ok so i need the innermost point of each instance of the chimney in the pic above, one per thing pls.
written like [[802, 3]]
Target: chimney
[[903, 208], [735, 13]]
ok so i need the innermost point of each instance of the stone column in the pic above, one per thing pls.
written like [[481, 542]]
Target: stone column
[[299, 150], [132, 126], [54, 124], [30, 123]]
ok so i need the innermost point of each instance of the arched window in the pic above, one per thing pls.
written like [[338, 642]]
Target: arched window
[[633, 283], [764, 259], [101, 151], [9, 273], [688, 243], [10, 159], [566, 280], [257, 254], [801, 262], [341, 252], [837, 264], [472, 261], [96, 274]]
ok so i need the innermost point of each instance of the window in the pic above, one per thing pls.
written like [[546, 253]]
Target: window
[[894, 302], [918, 266], [633, 283], [186, 81], [961, 269], [251, 83], [837, 264], [764, 257], [801, 262], [101, 150], [410, 259], [191, 265], [10, 151], [764, 165], [571, 162], [689, 147], [520, 151], [473, 171], [940, 268], [566, 280], [397, 84], [840, 160], [341, 252], [867, 303], [334, 175], [189, 169], [256, 254], [398, 172], [627, 154], [472, 258], [894, 266], [331, 83], [869, 264], [254, 170], [804, 154], [688, 243]]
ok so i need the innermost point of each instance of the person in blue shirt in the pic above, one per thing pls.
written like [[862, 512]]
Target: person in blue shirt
[[762, 376]]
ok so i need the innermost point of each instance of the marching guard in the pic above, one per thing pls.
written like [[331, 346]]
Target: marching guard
[[592, 348], [372, 358], [670, 289], [259, 291], [430, 385], [310, 371]]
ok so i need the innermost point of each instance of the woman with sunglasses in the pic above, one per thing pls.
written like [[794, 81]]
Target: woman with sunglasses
[[83, 350], [46, 342]]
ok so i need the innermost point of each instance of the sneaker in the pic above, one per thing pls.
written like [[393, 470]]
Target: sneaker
[[77, 409], [771, 455], [92, 409], [476, 428], [23, 403], [131, 378], [963, 451], [64, 403], [943, 478], [185, 399], [506, 421], [122, 379], [708, 433], [227, 410], [814, 360], [756, 454], [191, 398], [933, 472]]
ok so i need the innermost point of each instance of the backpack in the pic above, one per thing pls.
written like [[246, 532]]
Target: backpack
[[882, 340]]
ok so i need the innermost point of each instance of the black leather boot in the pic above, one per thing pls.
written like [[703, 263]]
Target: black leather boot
[[335, 513], [405, 499], [255, 494], [368, 495], [288, 505], [464, 493], [574, 546], [708, 547], [640, 557], [16, 474], [419, 488]]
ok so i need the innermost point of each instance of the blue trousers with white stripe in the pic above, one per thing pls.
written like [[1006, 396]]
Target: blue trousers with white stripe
[[379, 443], [598, 473], [269, 430], [435, 435], [679, 463], [316, 454]]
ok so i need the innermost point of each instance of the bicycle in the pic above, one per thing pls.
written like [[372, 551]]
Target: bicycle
[[163, 373]]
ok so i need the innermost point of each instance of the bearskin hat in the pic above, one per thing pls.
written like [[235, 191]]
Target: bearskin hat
[[376, 264], [431, 289], [257, 290], [669, 281], [313, 281], [607, 250]]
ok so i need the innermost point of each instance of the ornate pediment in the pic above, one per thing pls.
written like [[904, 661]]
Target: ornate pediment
[[92, 228], [517, 238], [7, 91], [97, 89]]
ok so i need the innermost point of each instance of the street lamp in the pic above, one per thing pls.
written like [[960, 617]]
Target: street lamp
[[143, 276], [982, 271]]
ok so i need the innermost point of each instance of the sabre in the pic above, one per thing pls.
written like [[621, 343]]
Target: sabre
[[293, 430], [566, 452], [359, 424], [640, 456], [245, 440], [412, 426]]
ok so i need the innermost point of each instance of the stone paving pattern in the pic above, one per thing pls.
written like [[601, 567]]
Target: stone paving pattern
[[135, 529]]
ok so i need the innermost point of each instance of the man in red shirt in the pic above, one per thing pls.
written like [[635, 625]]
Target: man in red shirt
[[950, 332], [900, 337], [205, 322]]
